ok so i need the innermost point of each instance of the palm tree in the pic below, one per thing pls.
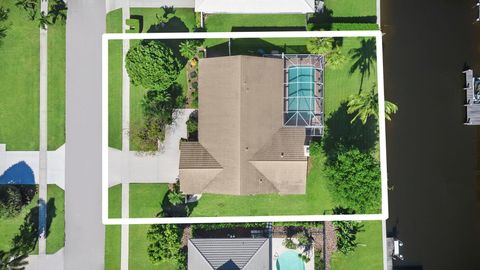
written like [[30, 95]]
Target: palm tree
[[12, 260], [365, 57], [188, 49], [335, 59], [320, 45], [366, 105], [44, 20]]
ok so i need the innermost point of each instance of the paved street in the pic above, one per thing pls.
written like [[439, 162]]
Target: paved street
[[85, 233]]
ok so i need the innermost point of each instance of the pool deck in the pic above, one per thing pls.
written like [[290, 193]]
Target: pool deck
[[278, 248]]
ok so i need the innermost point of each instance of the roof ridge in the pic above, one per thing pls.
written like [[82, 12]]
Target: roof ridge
[[255, 253]]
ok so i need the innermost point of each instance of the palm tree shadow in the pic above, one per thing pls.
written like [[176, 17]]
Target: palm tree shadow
[[343, 135], [25, 241], [365, 57]]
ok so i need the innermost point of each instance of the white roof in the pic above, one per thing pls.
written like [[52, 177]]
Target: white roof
[[255, 6]]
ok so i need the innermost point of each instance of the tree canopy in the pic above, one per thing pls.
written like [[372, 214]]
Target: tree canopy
[[165, 243], [14, 197], [152, 65], [326, 46], [365, 105], [355, 180]]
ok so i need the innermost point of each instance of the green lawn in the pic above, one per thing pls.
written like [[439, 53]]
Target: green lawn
[[253, 22], [56, 85], [113, 232], [114, 25], [19, 81], [369, 253], [56, 208], [146, 199], [9, 227], [352, 8], [340, 84], [138, 255]]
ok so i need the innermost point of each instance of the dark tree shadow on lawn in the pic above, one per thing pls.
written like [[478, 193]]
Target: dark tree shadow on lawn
[[140, 22], [218, 50], [254, 46], [179, 210], [26, 239], [342, 135], [325, 19]]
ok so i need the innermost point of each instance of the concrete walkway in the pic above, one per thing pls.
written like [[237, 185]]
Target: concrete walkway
[[42, 187], [125, 140], [43, 262]]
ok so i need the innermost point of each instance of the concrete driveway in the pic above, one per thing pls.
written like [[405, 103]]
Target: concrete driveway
[[162, 167]]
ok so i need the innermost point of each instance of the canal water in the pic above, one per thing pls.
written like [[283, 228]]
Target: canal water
[[431, 154]]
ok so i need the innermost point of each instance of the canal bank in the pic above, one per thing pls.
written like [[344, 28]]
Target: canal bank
[[432, 156]]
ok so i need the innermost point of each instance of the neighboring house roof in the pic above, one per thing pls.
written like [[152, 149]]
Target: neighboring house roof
[[229, 254], [255, 6], [243, 144]]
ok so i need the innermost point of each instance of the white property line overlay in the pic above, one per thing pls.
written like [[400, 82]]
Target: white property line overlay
[[242, 219]]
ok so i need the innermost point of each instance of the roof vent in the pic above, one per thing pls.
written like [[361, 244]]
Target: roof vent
[[282, 154]]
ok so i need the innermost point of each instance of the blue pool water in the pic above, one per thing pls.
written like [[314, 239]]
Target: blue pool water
[[301, 85], [289, 260]]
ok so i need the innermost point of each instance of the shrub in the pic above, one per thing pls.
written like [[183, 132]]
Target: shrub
[[315, 148], [355, 180], [158, 107], [13, 198], [175, 196], [165, 243], [346, 233], [288, 243], [152, 65]]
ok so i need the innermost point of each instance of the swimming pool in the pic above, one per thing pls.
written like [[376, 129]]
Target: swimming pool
[[289, 260], [301, 86]]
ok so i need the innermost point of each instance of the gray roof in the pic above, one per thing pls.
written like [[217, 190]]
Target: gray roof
[[229, 254]]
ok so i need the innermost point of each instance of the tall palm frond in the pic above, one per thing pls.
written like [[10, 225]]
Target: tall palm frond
[[366, 105]]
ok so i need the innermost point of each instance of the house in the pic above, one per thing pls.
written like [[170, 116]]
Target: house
[[248, 254], [255, 7], [247, 140], [229, 254]]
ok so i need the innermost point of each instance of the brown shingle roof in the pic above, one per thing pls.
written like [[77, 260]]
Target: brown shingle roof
[[241, 120], [194, 156]]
